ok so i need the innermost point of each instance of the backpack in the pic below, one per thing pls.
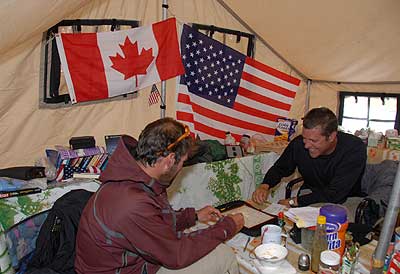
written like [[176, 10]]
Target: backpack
[[367, 212], [55, 245]]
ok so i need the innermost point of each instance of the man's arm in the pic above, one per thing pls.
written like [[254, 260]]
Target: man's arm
[[163, 244], [283, 167]]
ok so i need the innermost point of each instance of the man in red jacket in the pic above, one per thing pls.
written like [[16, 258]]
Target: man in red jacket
[[128, 225]]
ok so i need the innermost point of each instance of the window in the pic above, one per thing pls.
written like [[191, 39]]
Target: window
[[54, 90], [377, 111]]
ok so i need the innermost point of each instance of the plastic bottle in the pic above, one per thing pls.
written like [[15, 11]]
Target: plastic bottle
[[229, 140], [319, 243], [281, 223]]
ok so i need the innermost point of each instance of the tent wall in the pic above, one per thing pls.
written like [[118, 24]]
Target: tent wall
[[27, 130]]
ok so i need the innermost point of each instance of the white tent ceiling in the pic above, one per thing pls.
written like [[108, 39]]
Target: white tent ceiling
[[344, 41]]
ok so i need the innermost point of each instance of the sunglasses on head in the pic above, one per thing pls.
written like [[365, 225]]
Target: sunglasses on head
[[185, 134]]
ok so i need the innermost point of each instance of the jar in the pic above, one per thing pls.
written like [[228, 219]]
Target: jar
[[329, 262], [307, 235]]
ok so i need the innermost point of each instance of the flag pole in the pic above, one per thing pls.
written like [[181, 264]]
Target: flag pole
[[163, 83]]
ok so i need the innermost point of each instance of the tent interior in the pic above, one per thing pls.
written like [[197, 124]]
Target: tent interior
[[337, 45]]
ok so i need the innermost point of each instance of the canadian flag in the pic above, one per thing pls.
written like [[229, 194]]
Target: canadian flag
[[107, 64]]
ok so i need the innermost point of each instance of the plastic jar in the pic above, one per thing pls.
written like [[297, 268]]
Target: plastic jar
[[329, 262], [336, 226]]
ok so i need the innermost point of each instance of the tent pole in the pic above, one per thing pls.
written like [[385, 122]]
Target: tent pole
[[307, 103], [163, 83], [378, 259]]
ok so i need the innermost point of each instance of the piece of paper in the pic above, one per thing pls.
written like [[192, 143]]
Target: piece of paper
[[303, 216], [239, 241], [274, 209], [252, 217]]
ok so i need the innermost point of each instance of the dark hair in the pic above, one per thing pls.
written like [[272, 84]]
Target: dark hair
[[322, 117], [155, 138]]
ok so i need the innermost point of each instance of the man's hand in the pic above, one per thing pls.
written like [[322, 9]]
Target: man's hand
[[238, 218], [208, 213], [261, 193], [285, 202]]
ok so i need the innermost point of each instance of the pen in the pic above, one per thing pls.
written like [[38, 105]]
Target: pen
[[247, 243]]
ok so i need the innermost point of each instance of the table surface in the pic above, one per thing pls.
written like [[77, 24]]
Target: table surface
[[245, 257]]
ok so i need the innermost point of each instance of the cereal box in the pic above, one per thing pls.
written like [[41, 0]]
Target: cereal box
[[285, 129]]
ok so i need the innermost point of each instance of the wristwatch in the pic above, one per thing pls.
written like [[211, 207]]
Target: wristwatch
[[291, 202]]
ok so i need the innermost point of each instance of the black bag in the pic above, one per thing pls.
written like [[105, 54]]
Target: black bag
[[82, 142], [367, 212], [23, 172], [55, 245]]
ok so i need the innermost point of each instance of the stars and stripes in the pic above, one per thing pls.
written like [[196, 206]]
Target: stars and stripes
[[70, 170], [154, 95], [223, 90]]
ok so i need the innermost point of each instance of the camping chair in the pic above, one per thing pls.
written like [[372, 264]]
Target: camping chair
[[290, 185]]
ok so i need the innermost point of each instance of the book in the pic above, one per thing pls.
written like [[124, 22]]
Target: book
[[19, 192], [77, 153], [86, 175]]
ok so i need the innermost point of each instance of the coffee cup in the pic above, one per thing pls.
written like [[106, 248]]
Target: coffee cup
[[271, 234]]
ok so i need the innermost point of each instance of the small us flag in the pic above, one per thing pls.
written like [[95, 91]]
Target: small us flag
[[70, 170], [154, 95]]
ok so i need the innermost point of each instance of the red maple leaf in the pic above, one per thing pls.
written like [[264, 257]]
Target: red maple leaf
[[134, 63]]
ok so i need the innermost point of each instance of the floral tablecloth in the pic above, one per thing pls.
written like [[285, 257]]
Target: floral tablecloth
[[15, 209], [220, 182]]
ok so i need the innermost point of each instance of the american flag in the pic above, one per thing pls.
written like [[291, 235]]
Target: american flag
[[154, 95], [70, 170], [223, 90]]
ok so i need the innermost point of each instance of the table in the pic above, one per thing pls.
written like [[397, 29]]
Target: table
[[294, 250], [245, 258]]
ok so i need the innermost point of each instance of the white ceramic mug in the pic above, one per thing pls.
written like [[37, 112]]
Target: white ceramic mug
[[271, 234]]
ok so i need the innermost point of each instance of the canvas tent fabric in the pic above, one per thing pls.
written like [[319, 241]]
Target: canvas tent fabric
[[339, 41]]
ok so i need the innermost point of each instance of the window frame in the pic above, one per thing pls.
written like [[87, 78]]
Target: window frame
[[51, 65], [343, 94]]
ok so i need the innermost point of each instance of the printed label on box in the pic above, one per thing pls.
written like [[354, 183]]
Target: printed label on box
[[285, 129]]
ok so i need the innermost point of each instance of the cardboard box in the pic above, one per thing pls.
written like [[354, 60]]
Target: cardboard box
[[285, 129]]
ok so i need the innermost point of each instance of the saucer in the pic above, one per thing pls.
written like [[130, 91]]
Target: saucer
[[284, 268]]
